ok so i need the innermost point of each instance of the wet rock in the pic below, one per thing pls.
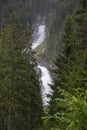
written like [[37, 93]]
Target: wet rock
[[38, 71]]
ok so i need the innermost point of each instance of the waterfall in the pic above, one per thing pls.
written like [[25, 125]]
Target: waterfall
[[45, 74], [41, 37], [46, 80]]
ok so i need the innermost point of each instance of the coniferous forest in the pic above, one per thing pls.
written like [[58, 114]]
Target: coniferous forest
[[65, 52]]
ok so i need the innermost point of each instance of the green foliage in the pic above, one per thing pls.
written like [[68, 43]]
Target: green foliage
[[75, 116]]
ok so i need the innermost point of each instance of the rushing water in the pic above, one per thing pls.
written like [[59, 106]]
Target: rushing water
[[41, 36], [46, 80], [45, 74]]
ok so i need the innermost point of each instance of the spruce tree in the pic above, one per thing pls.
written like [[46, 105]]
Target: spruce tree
[[20, 99], [62, 62], [81, 20]]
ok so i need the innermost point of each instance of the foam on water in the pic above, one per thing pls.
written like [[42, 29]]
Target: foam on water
[[46, 80]]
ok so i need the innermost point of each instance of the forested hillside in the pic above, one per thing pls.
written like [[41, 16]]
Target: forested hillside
[[43, 64], [68, 105], [27, 10], [54, 41]]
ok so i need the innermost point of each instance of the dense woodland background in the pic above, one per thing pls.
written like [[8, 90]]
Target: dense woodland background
[[26, 10], [66, 46]]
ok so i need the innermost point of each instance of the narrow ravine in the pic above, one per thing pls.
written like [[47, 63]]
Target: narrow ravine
[[45, 74]]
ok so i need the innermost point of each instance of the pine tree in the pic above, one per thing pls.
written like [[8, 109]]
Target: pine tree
[[62, 62], [81, 20], [20, 99]]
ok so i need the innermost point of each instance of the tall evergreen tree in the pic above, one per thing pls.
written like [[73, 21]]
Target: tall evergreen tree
[[81, 20], [20, 99], [63, 60]]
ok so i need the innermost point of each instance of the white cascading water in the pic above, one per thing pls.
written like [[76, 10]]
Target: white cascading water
[[46, 80], [41, 37], [45, 74]]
